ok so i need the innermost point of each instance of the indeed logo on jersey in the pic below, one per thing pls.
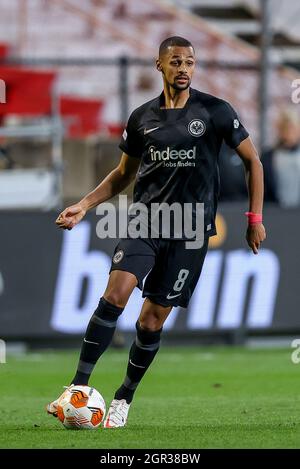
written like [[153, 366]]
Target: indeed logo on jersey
[[174, 158]]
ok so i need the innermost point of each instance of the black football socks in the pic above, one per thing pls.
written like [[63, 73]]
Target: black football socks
[[98, 336], [141, 355]]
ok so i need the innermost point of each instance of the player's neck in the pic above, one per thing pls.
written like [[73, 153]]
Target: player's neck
[[175, 98]]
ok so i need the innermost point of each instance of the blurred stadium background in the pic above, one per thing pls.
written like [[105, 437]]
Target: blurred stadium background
[[73, 71]]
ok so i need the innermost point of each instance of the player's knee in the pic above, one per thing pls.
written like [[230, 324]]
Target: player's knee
[[116, 297], [153, 316], [151, 322]]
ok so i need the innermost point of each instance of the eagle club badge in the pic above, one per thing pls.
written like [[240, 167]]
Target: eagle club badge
[[197, 127], [118, 256], [236, 123]]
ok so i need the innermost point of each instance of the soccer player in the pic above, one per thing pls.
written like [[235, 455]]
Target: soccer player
[[170, 147]]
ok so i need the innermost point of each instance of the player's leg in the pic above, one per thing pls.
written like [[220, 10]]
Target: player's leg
[[103, 323], [142, 353], [144, 348], [170, 283], [101, 328], [132, 260]]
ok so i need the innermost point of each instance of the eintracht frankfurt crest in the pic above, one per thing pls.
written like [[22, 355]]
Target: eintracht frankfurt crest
[[196, 127]]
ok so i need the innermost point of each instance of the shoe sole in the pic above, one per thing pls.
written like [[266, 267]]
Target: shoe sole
[[105, 425]]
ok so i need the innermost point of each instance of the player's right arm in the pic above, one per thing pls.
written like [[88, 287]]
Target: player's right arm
[[114, 183]]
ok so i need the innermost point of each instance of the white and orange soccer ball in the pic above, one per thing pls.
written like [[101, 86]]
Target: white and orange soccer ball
[[81, 407]]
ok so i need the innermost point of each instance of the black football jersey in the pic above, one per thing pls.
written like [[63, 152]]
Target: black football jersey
[[179, 150]]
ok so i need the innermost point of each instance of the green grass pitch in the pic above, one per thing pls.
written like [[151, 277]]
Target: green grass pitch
[[190, 398]]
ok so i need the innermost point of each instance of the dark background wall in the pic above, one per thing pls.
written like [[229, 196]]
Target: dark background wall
[[51, 280]]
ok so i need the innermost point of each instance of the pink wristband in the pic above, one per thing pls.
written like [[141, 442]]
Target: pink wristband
[[253, 218]]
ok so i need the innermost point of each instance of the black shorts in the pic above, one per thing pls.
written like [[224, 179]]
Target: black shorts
[[172, 270]]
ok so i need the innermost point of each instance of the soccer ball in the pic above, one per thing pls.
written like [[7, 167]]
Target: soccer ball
[[81, 407]]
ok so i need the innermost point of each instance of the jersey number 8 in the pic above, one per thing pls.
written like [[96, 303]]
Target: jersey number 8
[[182, 276]]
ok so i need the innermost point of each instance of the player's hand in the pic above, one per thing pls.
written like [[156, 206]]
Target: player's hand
[[70, 217], [256, 234]]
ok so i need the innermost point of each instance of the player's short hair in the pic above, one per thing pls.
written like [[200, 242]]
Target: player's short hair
[[174, 41]]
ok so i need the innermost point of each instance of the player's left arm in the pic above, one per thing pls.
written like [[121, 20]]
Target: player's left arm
[[255, 182]]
